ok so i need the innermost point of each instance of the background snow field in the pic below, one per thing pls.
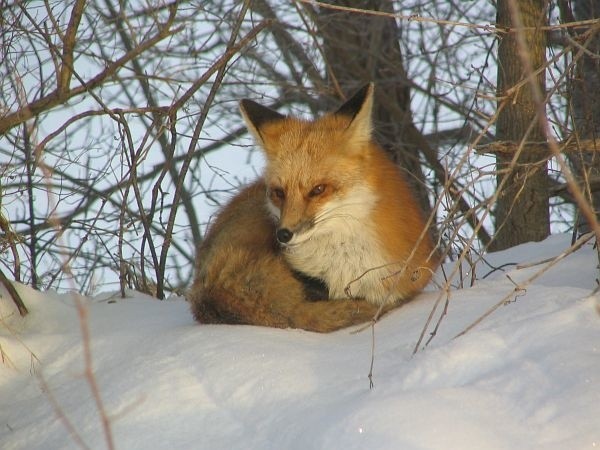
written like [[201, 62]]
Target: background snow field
[[526, 377]]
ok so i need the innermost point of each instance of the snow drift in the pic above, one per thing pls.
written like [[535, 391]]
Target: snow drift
[[525, 377]]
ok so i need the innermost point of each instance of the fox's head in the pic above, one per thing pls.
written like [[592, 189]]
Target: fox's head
[[315, 172]]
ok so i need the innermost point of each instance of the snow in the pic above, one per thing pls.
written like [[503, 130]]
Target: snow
[[525, 377]]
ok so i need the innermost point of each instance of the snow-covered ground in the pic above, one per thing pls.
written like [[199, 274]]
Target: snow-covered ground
[[526, 377]]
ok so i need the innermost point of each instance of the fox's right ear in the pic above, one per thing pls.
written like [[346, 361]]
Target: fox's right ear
[[359, 108], [256, 115]]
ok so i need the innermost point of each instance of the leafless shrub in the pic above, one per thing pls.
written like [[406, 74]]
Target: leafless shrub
[[112, 117]]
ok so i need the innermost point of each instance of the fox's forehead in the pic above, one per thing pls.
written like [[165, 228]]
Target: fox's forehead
[[305, 138], [298, 169], [301, 154]]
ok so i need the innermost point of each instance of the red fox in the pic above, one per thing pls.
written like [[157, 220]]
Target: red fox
[[332, 217]]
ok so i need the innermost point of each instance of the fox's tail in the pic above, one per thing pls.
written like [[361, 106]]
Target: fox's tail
[[241, 287]]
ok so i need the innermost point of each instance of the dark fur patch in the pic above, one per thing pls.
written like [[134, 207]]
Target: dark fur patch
[[314, 288]]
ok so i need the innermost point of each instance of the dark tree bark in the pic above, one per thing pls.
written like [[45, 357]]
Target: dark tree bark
[[522, 210], [360, 48], [585, 99]]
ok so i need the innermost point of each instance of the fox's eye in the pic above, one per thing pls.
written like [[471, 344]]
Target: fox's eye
[[317, 190], [278, 193]]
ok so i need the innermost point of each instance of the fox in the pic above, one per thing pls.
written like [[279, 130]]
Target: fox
[[328, 237]]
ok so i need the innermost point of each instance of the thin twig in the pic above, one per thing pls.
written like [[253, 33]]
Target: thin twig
[[489, 28], [82, 311], [61, 414], [76, 251], [522, 285], [23, 311], [58, 97], [540, 104], [219, 67], [370, 376]]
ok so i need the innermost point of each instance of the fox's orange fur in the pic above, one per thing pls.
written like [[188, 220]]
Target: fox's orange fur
[[342, 214]]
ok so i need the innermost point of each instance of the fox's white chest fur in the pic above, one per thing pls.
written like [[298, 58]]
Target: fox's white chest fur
[[343, 250], [344, 212]]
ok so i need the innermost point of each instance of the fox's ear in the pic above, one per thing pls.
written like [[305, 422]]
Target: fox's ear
[[359, 109], [256, 115]]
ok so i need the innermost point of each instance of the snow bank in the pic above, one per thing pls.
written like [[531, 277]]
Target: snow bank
[[526, 377]]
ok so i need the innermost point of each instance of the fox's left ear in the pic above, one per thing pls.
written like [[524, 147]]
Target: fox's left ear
[[256, 115], [359, 108]]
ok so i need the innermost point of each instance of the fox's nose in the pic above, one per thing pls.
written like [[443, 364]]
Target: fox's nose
[[284, 235]]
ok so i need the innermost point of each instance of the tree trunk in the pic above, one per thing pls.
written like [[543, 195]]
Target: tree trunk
[[360, 48], [585, 102], [522, 210]]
